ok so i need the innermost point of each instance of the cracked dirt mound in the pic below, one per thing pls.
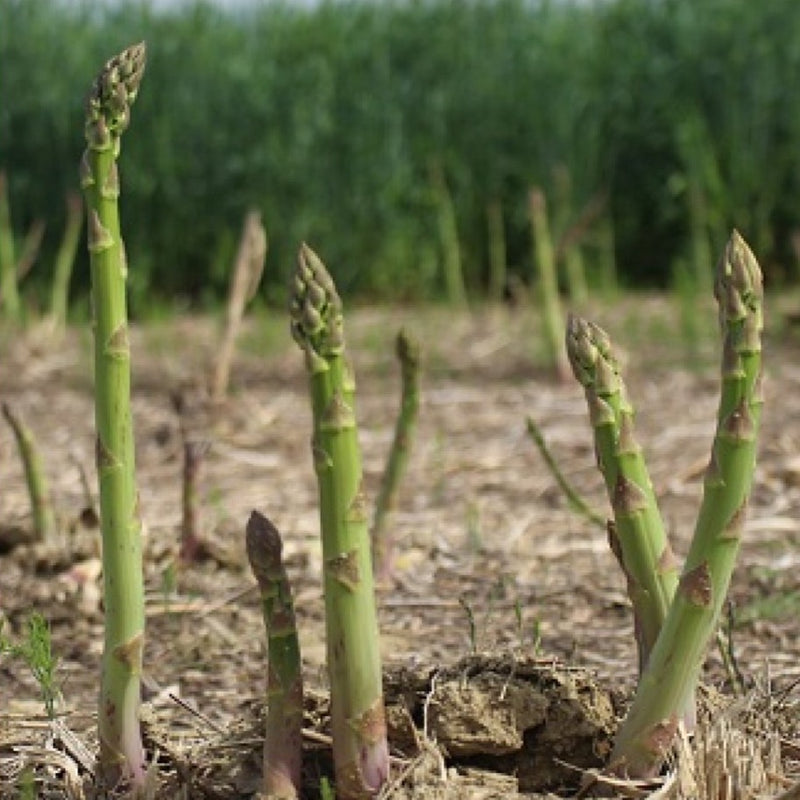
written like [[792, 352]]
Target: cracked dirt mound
[[491, 724]]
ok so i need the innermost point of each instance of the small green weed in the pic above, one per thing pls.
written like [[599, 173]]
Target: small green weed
[[36, 651]]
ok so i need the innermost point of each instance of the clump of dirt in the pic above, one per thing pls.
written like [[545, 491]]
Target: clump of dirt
[[493, 723], [522, 716]]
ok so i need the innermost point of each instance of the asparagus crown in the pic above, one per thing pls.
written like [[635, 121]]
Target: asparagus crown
[[315, 308], [113, 93]]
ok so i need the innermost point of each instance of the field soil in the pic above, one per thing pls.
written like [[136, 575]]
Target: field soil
[[507, 635]]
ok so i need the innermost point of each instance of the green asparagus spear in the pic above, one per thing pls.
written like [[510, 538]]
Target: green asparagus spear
[[107, 116], [283, 749], [674, 665], [637, 537], [358, 721], [382, 545], [578, 504], [65, 259], [547, 281], [9, 293], [44, 519], [495, 228]]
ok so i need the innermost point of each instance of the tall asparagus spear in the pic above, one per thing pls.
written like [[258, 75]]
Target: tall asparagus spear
[[382, 545], [637, 536], [674, 666], [9, 293], [107, 117], [283, 742], [44, 518], [59, 294], [547, 282], [358, 721]]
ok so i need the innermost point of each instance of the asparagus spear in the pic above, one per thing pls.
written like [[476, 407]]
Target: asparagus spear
[[545, 267], [107, 116], [674, 666], [245, 278], [579, 505], [637, 536], [283, 740], [44, 519], [448, 237], [9, 293], [497, 250], [407, 350], [358, 721], [65, 259]]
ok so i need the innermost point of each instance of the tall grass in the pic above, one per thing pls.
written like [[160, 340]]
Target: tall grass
[[364, 95]]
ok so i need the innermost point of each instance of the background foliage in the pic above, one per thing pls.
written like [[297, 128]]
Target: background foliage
[[332, 120]]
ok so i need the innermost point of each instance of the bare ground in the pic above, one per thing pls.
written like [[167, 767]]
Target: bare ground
[[506, 633]]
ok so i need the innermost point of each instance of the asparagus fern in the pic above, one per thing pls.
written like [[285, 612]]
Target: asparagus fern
[[283, 739], [358, 721], [107, 116], [674, 665]]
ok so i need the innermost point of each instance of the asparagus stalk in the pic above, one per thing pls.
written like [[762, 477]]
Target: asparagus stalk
[[545, 266], [674, 665], [578, 504], [407, 349], [283, 740], [497, 250], [44, 519], [246, 275], [29, 251], [107, 117], [448, 237], [358, 723], [65, 259], [9, 293], [195, 447], [637, 536]]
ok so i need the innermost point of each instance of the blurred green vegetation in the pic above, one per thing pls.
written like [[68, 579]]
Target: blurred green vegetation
[[674, 121]]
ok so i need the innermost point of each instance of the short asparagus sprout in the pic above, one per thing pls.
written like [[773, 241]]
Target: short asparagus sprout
[[107, 116], [283, 740], [637, 537], [407, 349], [44, 518], [358, 723], [675, 662], [192, 419]]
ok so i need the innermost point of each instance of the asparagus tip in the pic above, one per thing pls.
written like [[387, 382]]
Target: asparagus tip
[[264, 546], [315, 307], [407, 347]]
